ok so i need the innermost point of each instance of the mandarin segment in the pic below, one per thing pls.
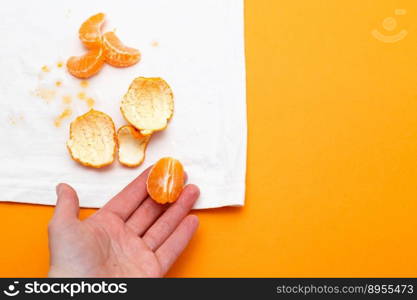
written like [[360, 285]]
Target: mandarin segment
[[132, 146], [89, 32], [92, 139], [87, 65], [148, 104], [116, 53], [166, 180]]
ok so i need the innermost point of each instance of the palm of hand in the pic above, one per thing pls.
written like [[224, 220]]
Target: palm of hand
[[105, 245], [109, 244]]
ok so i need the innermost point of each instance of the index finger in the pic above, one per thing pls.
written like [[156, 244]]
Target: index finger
[[128, 199]]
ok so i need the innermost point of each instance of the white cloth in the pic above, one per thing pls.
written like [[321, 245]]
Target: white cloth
[[196, 46]]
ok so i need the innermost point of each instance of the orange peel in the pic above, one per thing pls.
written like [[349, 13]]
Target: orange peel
[[148, 104], [166, 180], [89, 32], [92, 140], [132, 146]]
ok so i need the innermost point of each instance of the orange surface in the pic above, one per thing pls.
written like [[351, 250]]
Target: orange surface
[[332, 153]]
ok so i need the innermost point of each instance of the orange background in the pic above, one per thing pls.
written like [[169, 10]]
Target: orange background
[[332, 153]]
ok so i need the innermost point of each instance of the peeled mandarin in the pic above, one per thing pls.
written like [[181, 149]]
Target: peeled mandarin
[[116, 53], [166, 180], [89, 31], [86, 65]]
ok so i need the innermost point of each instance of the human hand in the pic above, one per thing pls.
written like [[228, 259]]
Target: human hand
[[131, 236]]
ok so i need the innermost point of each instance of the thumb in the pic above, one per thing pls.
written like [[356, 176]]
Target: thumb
[[67, 206]]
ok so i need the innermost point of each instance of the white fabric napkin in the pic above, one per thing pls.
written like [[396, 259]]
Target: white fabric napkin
[[196, 46]]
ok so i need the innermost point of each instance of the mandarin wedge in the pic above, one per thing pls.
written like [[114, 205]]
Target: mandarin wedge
[[89, 32], [92, 140], [132, 146], [116, 53], [87, 65], [148, 104], [166, 180]]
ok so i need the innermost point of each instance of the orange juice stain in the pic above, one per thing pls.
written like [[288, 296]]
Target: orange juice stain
[[65, 114], [154, 44], [45, 69], [90, 102], [45, 94], [66, 99], [15, 119], [58, 83], [12, 120], [60, 64], [84, 83], [81, 95]]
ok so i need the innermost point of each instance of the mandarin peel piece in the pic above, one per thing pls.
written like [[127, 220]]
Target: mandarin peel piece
[[89, 32], [116, 53], [148, 104], [86, 65], [132, 146], [93, 141], [165, 180]]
